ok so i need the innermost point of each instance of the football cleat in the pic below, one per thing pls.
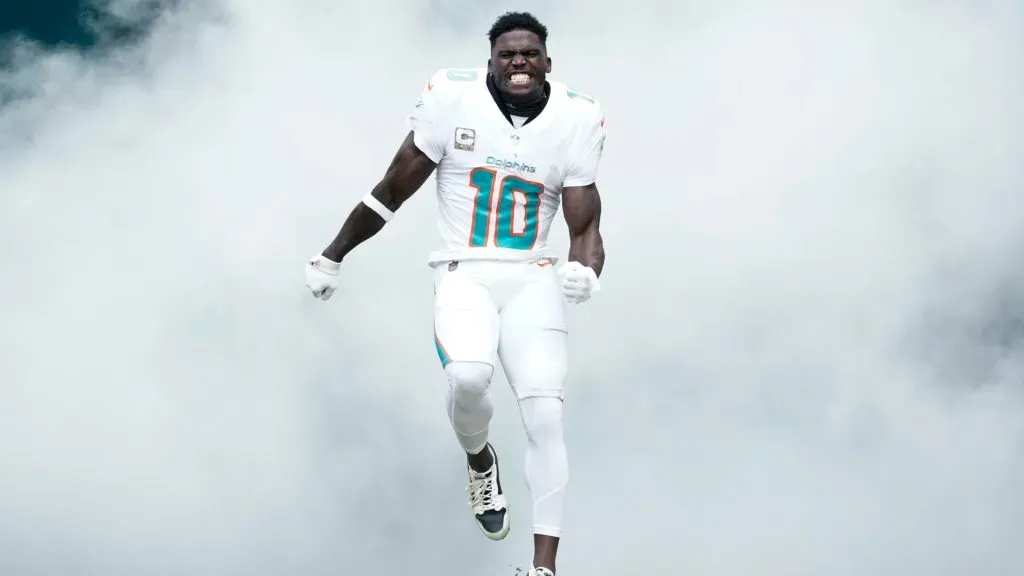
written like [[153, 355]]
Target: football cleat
[[487, 500]]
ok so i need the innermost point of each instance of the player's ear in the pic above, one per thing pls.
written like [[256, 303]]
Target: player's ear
[[548, 71]]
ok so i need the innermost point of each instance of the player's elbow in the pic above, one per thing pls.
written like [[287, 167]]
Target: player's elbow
[[388, 193], [402, 180]]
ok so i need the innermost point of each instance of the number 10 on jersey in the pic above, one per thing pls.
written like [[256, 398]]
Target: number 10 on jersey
[[512, 218]]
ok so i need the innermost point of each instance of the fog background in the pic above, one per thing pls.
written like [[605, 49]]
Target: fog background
[[807, 357]]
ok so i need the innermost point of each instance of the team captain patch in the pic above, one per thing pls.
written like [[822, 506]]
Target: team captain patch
[[465, 139]]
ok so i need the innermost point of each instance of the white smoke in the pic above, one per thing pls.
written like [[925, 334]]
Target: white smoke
[[807, 358]]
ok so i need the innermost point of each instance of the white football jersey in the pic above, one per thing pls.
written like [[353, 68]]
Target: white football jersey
[[499, 185]]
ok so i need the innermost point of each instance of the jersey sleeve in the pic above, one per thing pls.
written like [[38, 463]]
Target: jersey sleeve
[[426, 120], [585, 154]]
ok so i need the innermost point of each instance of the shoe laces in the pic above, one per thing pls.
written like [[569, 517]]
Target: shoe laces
[[482, 489]]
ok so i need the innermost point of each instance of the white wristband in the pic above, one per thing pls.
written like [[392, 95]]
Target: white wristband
[[378, 207]]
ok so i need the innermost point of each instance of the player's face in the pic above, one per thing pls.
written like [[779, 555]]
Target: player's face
[[519, 64]]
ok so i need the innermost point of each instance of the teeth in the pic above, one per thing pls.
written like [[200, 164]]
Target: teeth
[[519, 78]]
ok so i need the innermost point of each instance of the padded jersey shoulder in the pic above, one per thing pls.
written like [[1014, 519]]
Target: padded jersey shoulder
[[448, 85], [586, 109]]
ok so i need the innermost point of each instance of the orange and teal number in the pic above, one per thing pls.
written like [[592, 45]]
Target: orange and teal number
[[518, 210]]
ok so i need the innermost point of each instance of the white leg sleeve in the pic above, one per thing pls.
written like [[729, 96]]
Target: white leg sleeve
[[547, 467], [469, 403]]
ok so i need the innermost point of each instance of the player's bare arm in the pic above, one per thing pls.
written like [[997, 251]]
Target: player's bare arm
[[409, 169], [581, 206]]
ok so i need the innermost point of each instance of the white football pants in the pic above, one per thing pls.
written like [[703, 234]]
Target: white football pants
[[515, 312]]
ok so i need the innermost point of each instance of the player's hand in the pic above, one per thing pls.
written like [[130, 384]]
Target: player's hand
[[322, 276], [579, 282]]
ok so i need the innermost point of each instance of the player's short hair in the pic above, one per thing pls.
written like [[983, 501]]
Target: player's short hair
[[510, 21]]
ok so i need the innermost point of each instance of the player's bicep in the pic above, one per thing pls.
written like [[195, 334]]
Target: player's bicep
[[409, 169], [581, 206]]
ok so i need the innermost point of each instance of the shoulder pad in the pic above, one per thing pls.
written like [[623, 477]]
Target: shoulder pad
[[447, 83], [587, 109], [574, 95]]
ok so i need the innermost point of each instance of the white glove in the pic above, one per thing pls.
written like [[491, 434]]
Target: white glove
[[322, 276], [579, 282]]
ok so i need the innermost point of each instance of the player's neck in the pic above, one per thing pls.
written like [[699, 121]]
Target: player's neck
[[529, 107]]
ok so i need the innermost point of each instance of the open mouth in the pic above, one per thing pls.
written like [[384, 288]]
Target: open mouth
[[520, 79]]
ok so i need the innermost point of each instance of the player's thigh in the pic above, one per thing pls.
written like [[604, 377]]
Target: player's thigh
[[465, 318], [534, 338]]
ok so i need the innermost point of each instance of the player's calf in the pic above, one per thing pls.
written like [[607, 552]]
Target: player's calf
[[547, 474]]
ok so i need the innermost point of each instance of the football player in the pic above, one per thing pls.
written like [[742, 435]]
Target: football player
[[508, 146]]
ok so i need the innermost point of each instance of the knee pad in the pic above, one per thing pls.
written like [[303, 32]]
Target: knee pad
[[542, 418], [469, 379]]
